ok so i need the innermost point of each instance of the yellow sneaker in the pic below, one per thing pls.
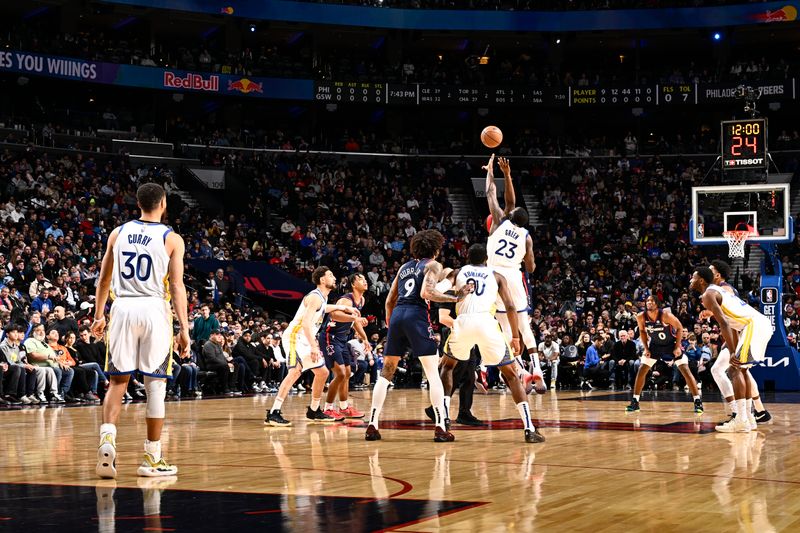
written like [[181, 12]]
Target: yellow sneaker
[[152, 468]]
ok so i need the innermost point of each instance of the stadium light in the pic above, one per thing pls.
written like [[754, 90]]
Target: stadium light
[[717, 36]]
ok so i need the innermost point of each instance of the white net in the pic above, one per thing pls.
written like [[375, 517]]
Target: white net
[[736, 240]]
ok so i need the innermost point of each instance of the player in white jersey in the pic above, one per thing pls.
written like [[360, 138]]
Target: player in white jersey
[[754, 331], [719, 371], [143, 267], [302, 348], [475, 325], [509, 247]]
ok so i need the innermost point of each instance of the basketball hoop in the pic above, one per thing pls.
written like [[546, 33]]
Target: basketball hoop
[[736, 240]]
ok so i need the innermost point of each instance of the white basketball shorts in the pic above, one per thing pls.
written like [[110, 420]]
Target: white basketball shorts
[[140, 337], [753, 340], [481, 329], [518, 288], [298, 351]]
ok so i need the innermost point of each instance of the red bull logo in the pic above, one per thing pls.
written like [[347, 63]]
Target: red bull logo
[[246, 86], [784, 14], [191, 81]]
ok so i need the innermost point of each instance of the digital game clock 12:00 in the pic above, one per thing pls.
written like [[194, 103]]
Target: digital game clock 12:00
[[744, 144]]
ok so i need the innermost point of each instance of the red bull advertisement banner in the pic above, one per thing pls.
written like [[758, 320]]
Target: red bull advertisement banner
[[475, 20], [153, 77]]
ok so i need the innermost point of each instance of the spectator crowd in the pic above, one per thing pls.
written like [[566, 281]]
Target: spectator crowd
[[614, 232]]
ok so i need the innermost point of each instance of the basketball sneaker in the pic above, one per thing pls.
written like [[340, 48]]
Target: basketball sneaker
[[633, 407], [430, 414], [468, 419], [152, 468], [730, 417], [735, 425], [319, 416], [372, 433], [533, 436], [274, 418], [763, 417], [107, 457], [334, 414], [442, 435], [351, 412], [698, 406], [751, 422]]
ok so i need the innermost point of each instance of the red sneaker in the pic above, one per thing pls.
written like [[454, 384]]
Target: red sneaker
[[351, 412], [335, 414], [441, 435]]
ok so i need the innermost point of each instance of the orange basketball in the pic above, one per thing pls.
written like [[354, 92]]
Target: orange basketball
[[491, 136]]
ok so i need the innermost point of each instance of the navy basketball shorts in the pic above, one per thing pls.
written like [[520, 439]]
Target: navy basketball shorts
[[410, 327]]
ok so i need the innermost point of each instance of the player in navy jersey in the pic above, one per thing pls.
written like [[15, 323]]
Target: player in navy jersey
[[722, 272], [407, 315], [661, 332], [333, 340]]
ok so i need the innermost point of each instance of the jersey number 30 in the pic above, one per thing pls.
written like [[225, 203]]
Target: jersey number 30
[[136, 265], [507, 253]]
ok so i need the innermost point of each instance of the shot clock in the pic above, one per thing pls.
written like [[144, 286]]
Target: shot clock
[[744, 144]]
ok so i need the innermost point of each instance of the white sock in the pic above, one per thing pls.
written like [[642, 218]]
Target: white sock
[[276, 405], [696, 397], [757, 403], [342, 405], [537, 365], [378, 397], [636, 397], [435, 387], [525, 413], [447, 406], [108, 429], [748, 403], [741, 408], [730, 407], [328, 406], [153, 447], [315, 403]]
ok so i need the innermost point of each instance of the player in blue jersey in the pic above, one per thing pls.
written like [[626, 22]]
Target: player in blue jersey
[[407, 314], [333, 341]]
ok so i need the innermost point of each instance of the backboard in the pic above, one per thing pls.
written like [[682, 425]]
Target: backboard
[[760, 208]]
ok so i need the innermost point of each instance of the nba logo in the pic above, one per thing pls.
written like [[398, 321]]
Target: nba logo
[[769, 295]]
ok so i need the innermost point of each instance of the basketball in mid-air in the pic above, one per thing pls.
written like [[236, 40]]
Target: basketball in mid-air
[[491, 136]]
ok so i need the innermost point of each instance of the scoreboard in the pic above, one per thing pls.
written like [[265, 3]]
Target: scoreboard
[[744, 145], [579, 96]]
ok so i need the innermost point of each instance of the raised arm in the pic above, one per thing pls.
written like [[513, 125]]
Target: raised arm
[[103, 286], [491, 195], [176, 250], [508, 302], [508, 192]]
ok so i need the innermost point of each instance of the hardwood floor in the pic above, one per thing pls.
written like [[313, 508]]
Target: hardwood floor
[[600, 469]]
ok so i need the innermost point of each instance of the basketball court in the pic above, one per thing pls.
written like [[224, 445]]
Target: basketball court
[[600, 469]]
